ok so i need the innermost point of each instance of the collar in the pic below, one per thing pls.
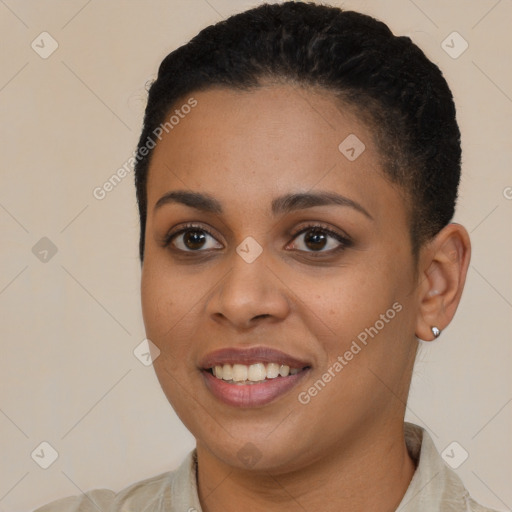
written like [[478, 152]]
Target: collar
[[434, 486]]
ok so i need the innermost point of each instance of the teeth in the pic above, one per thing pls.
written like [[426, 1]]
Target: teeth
[[272, 370], [227, 372], [257, 372], [239, 372]]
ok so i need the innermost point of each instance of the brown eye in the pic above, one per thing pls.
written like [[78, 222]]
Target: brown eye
[[317, 239], [192, 239]]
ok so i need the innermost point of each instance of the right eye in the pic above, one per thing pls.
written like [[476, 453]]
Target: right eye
[[192, 238]]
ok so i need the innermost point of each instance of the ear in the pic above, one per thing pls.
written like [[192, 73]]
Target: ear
[[443, 266]]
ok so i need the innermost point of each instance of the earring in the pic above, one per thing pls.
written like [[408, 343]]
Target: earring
[[436, 332]]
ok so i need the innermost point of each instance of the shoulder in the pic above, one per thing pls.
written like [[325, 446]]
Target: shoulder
[[434, 485], [150, 494], [165, 492]]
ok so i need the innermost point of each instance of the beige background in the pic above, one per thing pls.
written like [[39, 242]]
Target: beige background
[[69, 325]]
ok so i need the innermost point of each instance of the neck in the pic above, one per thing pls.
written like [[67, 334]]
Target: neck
[[373, 474]]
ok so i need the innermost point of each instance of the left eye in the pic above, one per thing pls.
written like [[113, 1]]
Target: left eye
[[318, 239]]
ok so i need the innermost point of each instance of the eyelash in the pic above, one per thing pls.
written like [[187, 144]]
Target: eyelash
[[344, 241]]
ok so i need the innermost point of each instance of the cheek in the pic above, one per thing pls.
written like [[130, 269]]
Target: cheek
[[367, 351], [172, 307], [359, 312], [168, 298], [154, 301], [347, 300], [163, 303]]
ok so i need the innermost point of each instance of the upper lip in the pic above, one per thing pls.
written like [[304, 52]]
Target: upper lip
[[250, 356]]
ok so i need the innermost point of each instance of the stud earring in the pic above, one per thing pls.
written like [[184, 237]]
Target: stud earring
[[436, 332]]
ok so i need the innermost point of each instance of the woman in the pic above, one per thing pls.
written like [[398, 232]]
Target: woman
[[296, 178]]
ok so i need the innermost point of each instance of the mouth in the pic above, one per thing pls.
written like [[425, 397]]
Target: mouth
[[251, 377]]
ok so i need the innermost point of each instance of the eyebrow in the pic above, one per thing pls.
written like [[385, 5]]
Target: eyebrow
[[283, 204]]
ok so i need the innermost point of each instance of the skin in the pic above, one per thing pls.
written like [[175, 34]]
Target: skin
[[245, 149]]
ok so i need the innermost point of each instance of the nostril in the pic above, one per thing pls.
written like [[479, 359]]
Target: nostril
[[262, 316]]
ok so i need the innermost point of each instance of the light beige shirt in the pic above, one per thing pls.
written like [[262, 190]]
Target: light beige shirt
[[435, 487]]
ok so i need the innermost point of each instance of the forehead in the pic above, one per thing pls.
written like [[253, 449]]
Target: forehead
[[246, 146]]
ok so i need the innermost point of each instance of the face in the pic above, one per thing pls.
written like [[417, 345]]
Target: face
[[278, 280]]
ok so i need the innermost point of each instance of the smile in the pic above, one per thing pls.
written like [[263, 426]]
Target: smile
[[242, 374], [251, 377]]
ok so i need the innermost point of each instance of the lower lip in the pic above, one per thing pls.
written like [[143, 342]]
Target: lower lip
[[251, 395]]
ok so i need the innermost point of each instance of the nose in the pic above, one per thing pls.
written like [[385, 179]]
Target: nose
[[249, 293]]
